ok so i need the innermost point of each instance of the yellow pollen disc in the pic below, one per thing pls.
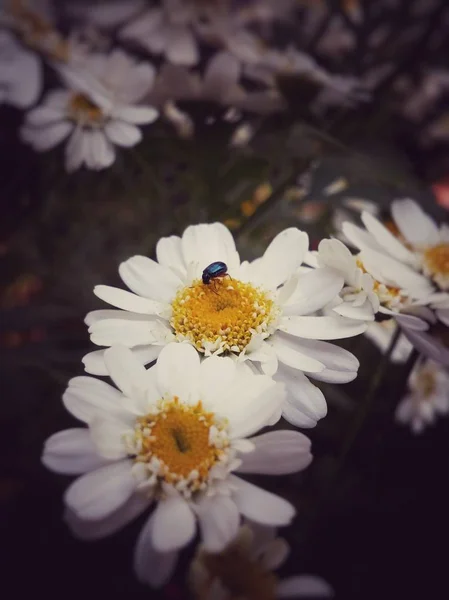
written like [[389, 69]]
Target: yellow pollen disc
[[437, 260], [179, 438], [221, 314], [83, 109], [241, 576], [386, 293]]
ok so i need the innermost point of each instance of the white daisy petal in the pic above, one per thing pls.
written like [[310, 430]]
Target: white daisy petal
[[44, 138], [107, 434], [102, 149], [112, 313], [305, 403], [86, 397], [215, 375], [291, 354], [75, 151], [178, 369], [147, 278], [127, 301], [169, 253], [277, 453], [99, 493], [108, 332], [94, 361], [414, 224], [126, 372], [152, 567], [261, 506], [364, 312], [274, 554], [314, 290], [123, 134], [207, 243], [333, 357], [219, 521], [428, 345], [182, 47], [387, 240], [95, 530], [308, 586], [281, 259], [165, 537], [71, 452], [322, 328], [137, 115], [411, 322]]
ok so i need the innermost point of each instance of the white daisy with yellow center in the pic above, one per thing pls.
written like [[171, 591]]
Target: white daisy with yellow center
[[172, 436], [97, 111], [428, 396], [261, 313], [246, 569], [408, 258]]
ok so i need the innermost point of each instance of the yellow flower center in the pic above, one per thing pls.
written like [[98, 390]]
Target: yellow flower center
[[223, 315], [83, 110], [436, 264], [180, 444], [239, 574]]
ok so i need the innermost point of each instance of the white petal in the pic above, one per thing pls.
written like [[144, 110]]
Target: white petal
[[274, 554], [443, 316], [126, 372], [291, 354], [170, 511], [138, 115], [44, 115], [97, 494], [221, 76], [206, 243], [333, 253], [181, 46], [123, 134], [330, 355], [314, 290], [215, 375], [147, 278], [95, 530], [387, 240], [71, 452], [108, 332], [94, 361], [86, 397], [321, 328], [75, 150], [112, 313], [428, 345], [169, 253], [102, 150], [414, 224], [177, 371], [277, 453], [152, 567], [253, 413], [44, 138], [364, 312], [219, 520], [127, 301], [305, 403], [308, 586], [261, 506], [411, 322], [107, 434], [281, 259]]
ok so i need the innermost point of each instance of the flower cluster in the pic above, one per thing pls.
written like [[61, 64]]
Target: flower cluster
[[109, 86], [236, 344]]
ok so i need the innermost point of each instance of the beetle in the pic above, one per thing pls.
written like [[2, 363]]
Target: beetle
[[213, 271]]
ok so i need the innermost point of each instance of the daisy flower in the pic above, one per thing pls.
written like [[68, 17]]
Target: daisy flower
[[245, 569], [20, 73], [97, 112], [172, 437], [428, 396], [261, 313]]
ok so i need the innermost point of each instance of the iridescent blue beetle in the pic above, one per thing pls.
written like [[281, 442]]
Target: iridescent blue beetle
[[214, 271]]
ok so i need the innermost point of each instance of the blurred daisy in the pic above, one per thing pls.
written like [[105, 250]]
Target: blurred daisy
[[428, 396], [173, 436], [245, 569], [98, 111], [381, 334], [20, 73], [262, 313]]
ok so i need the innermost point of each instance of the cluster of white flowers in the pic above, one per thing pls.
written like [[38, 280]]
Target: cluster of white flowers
[[106, 93]]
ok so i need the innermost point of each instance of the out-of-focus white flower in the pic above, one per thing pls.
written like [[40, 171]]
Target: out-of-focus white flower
[[428, 396], [245, 569], [98, 112], [381, 334], [20, 73], [220, 83], [173, 436], [261, 314]]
